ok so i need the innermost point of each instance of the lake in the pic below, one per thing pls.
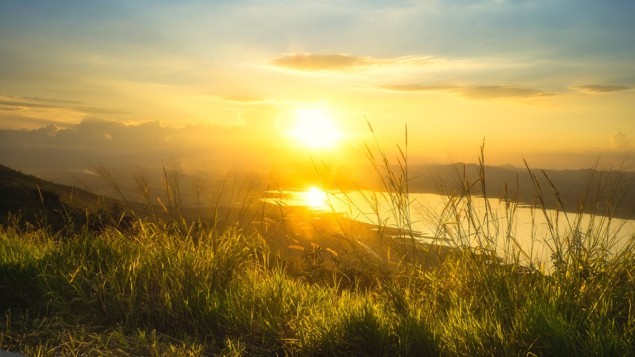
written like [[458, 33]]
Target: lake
[[517, 230]]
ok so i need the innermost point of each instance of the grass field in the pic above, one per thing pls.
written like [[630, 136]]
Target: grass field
[[177, 287]]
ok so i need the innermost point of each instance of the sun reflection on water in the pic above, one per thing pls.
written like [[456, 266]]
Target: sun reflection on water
[[315, 198]]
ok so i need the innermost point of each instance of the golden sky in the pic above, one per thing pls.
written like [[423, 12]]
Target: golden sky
[[549, 81]]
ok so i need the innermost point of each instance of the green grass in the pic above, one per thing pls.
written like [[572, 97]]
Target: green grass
[[173, 289], [148, 292]]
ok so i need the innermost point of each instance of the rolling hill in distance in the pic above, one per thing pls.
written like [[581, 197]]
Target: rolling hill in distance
[[595, 191]]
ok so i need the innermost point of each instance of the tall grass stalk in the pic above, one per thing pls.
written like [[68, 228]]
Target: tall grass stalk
[[394, 188]]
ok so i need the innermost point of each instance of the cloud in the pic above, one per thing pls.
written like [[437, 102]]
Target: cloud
[[620, 141], [598, 88], [474, 92], [485, 92], [49, 100], [18, 105], [317, 62], [149, 144], [34, 103], [339, 62]]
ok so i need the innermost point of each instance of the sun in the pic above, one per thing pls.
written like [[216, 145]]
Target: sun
[[315, 129]]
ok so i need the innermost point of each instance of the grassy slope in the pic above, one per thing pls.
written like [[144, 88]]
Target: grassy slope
[[175, 288], [153, 293]]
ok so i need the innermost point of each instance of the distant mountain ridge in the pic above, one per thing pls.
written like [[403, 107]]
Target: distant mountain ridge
[[38, 201], [599, 188]]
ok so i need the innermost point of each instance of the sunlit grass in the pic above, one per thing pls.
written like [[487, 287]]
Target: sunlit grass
[[170, 286]]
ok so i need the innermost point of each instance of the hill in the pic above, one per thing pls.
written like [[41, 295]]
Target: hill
[[43, 203]]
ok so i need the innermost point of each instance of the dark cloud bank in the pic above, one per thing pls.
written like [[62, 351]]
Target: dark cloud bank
[[94, 141]]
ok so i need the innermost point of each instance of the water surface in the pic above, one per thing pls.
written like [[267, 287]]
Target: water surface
[[512, 229]]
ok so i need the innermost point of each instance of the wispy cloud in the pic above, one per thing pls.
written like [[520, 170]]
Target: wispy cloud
[[17, 105], [474, 92], [46, 100], [34, 103], [598, 88], [316, 62], [16, 121], [338, 62], [485, 92]]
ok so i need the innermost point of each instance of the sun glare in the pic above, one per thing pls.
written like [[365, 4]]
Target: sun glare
[[315, 198], [315, 129]]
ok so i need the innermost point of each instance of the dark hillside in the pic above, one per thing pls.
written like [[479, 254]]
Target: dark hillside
[[43, 203]]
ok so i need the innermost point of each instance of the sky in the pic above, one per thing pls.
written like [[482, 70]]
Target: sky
[[551, 82]]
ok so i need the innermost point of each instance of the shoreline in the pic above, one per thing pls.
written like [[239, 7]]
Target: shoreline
[[304, 231]]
